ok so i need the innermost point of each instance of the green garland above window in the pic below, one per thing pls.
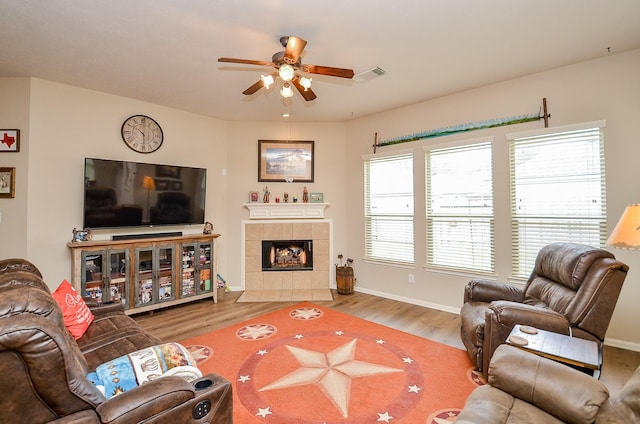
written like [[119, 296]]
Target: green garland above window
[[473, 126]]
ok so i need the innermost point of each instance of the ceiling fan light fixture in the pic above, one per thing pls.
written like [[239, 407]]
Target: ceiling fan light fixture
[[305, 82], [286, 72], [267, 80], [286, 91]]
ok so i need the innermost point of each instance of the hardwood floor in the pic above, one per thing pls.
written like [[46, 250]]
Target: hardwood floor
[[190, 320]]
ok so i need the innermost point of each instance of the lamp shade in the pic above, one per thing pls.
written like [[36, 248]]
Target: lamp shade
[[626, 234], [148, 183], [286, 91], [286, 72], [267, 80], [305, 82]]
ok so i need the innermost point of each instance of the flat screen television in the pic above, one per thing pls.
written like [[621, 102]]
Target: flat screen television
[[133, 194]]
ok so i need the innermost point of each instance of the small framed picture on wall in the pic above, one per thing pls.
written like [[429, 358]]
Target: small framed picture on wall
[[7, 183], [9, 140]]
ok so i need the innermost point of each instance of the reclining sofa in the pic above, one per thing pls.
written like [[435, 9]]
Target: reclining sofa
[[43, 370], [525, 388]]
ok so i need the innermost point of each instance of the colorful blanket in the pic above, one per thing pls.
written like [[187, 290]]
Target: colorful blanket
[[130, 371]]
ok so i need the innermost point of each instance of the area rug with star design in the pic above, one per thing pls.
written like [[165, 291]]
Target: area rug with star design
[[307, 364]]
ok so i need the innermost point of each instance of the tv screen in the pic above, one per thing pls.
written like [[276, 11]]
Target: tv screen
[[134, 194]]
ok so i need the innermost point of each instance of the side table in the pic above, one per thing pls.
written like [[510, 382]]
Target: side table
[[585, 355]]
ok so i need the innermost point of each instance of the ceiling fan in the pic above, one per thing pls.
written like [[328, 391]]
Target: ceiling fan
[[288, 65]]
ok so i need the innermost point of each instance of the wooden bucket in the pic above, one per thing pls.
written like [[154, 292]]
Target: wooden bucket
[[344, 279]]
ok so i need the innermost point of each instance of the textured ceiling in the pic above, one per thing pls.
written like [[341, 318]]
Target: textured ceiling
[[165, 51]]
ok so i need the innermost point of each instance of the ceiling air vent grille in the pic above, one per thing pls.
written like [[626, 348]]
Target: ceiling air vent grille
[[369, 74]]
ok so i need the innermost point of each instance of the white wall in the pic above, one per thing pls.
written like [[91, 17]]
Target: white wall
[[14, 114], [606, 89], [68, 124]]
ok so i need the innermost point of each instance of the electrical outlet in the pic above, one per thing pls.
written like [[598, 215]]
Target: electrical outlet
[[412, 278]]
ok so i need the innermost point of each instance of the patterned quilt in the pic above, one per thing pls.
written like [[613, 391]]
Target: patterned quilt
[[130, 371]]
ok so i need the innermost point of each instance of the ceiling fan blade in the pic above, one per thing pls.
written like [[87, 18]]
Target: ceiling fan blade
[[293, 49], [245, 61], [328, 70], [308, 94], [255, 87]]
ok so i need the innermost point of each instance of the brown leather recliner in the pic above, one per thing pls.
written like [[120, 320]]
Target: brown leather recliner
[[525, 388], [573, 289], [43, 369]]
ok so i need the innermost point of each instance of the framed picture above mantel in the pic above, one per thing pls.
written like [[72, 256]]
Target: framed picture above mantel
[[285, 161]]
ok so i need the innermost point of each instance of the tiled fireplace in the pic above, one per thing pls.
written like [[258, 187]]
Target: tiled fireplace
[[308, 282]]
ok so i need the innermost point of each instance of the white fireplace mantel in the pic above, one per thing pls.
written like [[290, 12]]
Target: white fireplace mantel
[[285, 210]]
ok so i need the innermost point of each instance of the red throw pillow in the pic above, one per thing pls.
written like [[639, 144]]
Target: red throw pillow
[[77, 316]]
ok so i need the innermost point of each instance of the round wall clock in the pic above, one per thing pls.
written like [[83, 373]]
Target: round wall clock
[[142, 134]]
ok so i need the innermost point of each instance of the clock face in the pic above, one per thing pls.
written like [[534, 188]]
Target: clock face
[[142, 134]]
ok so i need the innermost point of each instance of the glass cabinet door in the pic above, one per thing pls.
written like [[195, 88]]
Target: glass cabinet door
[[92, 282], [117, 283], [165, 270], [188, 284], [144, 276], [205, 268]]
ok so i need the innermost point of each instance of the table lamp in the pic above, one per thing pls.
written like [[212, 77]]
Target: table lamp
[[626, 234]]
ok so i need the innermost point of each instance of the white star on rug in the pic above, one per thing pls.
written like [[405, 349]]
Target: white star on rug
[[244, 378], [306, 313], [380, 341], [384, 417], [256, 331], [331, 372], [263, 412], [298, 336], [200, 353], [407, 360], [414, 389], [262, 352]]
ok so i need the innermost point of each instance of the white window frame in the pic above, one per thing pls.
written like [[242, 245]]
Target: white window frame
[[392, 241], [536, 191], [450, 229]]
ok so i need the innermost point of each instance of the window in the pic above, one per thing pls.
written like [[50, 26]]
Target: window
[[459, 197], [557, 191], [388, 203]]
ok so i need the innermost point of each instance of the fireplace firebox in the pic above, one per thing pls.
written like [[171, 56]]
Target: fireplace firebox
[[287, 255]]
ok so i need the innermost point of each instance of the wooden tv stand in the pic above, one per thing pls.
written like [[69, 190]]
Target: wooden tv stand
[[147, 273]]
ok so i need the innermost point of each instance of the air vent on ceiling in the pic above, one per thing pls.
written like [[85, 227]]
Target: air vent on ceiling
[[369, 74]]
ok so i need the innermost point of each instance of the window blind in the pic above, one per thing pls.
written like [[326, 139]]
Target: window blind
[[557, 192], [459, 206], [389, 208]]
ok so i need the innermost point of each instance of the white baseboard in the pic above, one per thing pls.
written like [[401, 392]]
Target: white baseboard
[[621, 344], [410, 300]]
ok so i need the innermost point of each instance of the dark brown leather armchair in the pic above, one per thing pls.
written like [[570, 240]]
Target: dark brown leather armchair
[[573, 289], [43, 369]]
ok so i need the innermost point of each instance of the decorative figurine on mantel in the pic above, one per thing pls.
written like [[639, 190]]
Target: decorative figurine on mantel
[[265, 197], [208, 228], [305, 195], [286, 197], [81, 235]]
